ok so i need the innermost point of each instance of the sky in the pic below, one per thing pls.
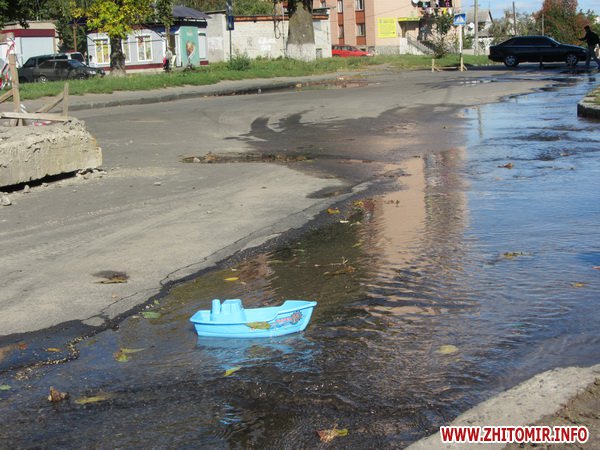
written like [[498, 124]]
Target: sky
[[524, 6]]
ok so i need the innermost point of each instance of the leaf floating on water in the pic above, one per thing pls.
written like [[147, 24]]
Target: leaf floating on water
[[333, 211], [447, 349], [22, 345], [120, 356], [5, 387], [53, 350], [232, 279], [512, 255], [327, 436], [129, 351], [93, 399], [346, 270], [259, 325], [56, 396], [578, 284], [507, 166], [151, 314], [231, 371]]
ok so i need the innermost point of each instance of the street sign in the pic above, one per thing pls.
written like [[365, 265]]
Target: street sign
[[460, 19], [229, 14]]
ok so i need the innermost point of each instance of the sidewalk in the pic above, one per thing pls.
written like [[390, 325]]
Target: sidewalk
[[223, 88]]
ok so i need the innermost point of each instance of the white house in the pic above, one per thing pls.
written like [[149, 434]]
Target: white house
[[145, 47], [260, 36], [38, 39]]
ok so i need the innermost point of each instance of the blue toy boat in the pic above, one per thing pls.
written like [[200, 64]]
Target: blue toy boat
[[231, 320]]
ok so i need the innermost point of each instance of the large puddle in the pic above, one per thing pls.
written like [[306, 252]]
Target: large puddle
[[479, 271]]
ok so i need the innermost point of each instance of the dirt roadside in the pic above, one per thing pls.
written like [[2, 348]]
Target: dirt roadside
[[581, 410]]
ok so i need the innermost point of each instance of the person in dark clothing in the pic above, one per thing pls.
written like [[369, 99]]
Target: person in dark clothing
[[592, 40]]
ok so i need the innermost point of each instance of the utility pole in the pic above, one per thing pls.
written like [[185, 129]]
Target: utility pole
[[476, 19], [543, 33], [514, 18]]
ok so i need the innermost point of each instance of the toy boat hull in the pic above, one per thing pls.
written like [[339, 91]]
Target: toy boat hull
[[231, 320]]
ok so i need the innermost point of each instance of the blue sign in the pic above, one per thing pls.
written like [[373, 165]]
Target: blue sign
[[460, 19]]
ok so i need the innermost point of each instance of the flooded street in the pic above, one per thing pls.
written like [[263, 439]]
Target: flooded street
[[474, 269]]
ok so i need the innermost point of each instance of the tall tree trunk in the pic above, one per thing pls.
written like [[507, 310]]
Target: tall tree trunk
[[117, 58], [301, 34]]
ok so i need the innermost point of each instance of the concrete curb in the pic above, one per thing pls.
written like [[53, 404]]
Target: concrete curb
[[587, 108], [524, 404], [172, 96]]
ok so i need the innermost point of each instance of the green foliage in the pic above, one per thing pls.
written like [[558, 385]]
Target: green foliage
[[443, 23], [562, 21], [240, 7], [239, 63], [16, 10], [504, 28], [115, 17], [439, 42], [163, 12]]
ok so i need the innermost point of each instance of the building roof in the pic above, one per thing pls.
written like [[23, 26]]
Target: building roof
[[183, 12], [482, 14]]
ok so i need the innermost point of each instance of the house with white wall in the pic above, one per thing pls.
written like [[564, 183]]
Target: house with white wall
[[260, 36], [39, 38], [145, 47]]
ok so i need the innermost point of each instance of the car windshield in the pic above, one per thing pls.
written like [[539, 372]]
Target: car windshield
[[77, 57]]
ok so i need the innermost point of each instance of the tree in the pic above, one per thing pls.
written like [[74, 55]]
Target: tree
[[15, 11], [301, 34], [116, 18], [526, 24], [561, 20], [163, 10]]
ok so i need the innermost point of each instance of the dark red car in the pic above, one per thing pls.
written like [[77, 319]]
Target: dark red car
[[347, 51]]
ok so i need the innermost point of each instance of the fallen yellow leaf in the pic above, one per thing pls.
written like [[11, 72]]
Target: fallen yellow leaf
[[120, 356], [333, 211], [53, 349], [93, 399], [56, 396], [578, 284], [232, 279], [447, 349], [327, 436], [231, 371]]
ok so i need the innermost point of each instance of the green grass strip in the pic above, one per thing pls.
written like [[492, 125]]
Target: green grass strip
[[248, 69]]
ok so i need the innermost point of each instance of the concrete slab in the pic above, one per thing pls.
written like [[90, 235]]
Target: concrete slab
[[33, 152]]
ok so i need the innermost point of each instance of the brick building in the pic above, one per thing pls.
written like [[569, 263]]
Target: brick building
[[384, 26]]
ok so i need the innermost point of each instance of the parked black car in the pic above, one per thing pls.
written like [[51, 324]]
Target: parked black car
[[42, 69], [536, 49]]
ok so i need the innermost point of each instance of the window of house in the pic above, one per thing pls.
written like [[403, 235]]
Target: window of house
[[340, 6], [340, 31], [125, 47], [102, 50], [359, 5], [360, 29], [144, 48]]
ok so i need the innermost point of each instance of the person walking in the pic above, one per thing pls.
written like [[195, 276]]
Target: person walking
[[592, 40]]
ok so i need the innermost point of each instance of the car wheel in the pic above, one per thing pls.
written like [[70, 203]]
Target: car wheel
[[572, 60], [81, 76], [511, 61], [42, 79]]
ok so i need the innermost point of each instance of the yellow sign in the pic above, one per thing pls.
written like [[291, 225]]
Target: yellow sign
[[408, 19], [386, 28]]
